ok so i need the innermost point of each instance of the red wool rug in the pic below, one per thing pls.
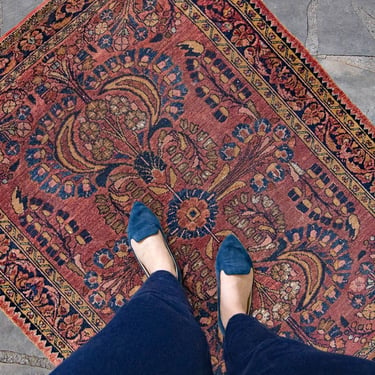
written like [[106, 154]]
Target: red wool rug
[[212, 114]]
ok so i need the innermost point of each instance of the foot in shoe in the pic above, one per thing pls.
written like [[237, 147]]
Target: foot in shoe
[[152, 252], [235, 295]]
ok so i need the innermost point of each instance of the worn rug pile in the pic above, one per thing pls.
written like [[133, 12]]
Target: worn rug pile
[[213, 115]]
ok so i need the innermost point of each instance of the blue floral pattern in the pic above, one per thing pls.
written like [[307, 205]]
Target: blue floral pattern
[[269, 152], [192, 213]]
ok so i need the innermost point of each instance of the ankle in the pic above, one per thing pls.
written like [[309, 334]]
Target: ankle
[[235, 295], [154, 254]]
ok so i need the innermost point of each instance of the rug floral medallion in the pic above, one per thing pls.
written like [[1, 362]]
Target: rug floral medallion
[[213, 115]]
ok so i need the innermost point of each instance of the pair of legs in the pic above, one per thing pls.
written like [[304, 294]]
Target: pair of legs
[[156, 333]]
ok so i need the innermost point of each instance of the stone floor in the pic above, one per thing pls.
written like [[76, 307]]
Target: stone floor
[[340, 34]]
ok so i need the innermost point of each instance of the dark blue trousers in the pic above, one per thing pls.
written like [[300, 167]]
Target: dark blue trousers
[[252, 349], [156, 333]]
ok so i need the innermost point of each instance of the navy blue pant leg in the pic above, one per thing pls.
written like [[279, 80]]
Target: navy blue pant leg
[[155, 333], [250, 348]]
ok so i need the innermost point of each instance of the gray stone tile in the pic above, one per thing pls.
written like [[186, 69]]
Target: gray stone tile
[[356, 77], [15, 11], [18, 355], [366, 12], [12, 369], [9, 338], [344, 27], [1, 18]]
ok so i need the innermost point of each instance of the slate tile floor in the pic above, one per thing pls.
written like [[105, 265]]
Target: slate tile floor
[[341, 36]]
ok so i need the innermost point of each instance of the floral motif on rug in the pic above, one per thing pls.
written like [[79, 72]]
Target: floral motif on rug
[[213, 115]]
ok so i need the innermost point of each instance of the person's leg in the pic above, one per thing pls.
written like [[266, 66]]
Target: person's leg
[[155, 333], [251, 348]]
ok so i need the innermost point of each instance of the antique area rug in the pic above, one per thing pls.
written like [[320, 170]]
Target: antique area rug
[[212, 114]]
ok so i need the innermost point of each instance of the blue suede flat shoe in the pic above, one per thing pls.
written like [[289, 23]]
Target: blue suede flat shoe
[[233, 259], [142, 224]]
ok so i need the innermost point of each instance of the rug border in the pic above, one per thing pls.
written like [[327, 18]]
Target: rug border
[[17, 318], [33, 331], [6, 305], [321, 73]]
